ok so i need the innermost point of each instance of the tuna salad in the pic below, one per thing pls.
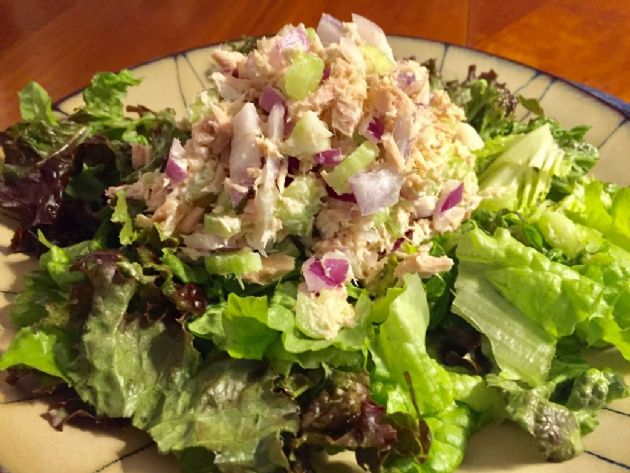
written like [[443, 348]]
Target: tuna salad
[[336, 249]]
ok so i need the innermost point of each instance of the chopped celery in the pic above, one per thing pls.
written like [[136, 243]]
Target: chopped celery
[[237, 263], [298, 205], [358, 161], [303, 76], [310, 135], [311, 34], [376, 60], [200, 106], [224, 226]]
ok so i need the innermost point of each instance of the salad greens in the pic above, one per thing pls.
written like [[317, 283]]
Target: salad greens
[[268, 280]]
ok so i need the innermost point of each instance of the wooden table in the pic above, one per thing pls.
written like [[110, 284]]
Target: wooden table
[[61, 43]]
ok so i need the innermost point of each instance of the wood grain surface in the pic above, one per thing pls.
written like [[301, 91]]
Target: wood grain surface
[[61, 43]]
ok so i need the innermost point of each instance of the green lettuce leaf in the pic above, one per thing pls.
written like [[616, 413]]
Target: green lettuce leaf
[[607, 212], [246, 327], [555, 296], [520, 348], [150, 372], [520, 178], [121, 215], [39, 293], [399, 348], [34, 349], [35, 104], [560, 411], [103, 97]]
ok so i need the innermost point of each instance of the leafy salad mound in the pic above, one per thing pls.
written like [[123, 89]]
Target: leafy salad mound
[[336, 250]]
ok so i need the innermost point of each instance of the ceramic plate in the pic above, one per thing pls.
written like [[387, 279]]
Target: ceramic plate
[[29, 445]]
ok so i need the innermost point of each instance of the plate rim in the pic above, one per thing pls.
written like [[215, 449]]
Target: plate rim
[[615, 104]]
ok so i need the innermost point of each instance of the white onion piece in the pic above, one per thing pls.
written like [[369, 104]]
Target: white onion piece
[[372, 34], [230, 87], [424, 206], [296, 38], [176, 166], [403, 128], [329, 29], [376, 190], [275, 123], [352, 53], [244, 153], [265, 204], [469, 136]]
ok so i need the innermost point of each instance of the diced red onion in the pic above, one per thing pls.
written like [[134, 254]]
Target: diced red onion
[[372, 34], [374, 130], [335, 267], [328, 272], [326, 73], [376, 190], [294, 165], [397, 244], [451, 199], [275, 123], [270, 97], [330, 157], [329, 29], [405, 78], [349, 197], [295, 39], [236, 196], [244, 153], [176, 165]]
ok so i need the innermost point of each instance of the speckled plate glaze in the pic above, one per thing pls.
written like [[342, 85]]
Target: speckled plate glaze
[[29, 445]]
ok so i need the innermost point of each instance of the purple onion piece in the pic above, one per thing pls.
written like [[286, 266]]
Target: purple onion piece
[[335, 268], [295, 39], [375, 130], [405, 78], [329, 29], [326, 74], [349, 197], [294, 165], [175, 168], [328, 272], [397, 244], [270, 97], [452, 199], [330, 157]]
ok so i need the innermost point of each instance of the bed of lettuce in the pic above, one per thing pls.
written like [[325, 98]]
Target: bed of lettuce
[[217, 371]]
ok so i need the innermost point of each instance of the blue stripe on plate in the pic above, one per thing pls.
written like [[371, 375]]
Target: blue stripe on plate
[[608, 460], [123, 457], [622, 106], [617, 411]]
